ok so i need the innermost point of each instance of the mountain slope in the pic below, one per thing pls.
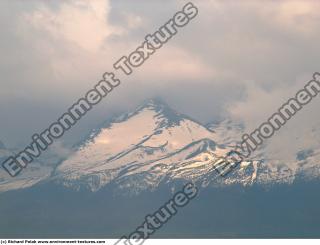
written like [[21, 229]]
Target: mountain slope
[[33, 174]]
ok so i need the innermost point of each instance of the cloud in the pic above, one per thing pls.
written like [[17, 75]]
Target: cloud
[[296, 16], [300, 133], [233, 53], [174, 64], [60, 150], [84, 23]]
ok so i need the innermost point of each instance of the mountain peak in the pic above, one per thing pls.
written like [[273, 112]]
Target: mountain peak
[[154, 103], [162, 111]]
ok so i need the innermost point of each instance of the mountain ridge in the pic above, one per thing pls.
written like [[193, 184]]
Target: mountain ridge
[[154, 144]]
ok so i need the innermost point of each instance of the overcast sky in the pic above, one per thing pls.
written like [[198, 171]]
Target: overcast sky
[[238, 59]]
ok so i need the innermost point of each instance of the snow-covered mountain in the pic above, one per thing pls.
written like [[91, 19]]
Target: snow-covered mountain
[[155, 144], [140, 149]]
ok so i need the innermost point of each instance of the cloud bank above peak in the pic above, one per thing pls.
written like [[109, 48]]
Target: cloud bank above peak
[[233, 57]]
